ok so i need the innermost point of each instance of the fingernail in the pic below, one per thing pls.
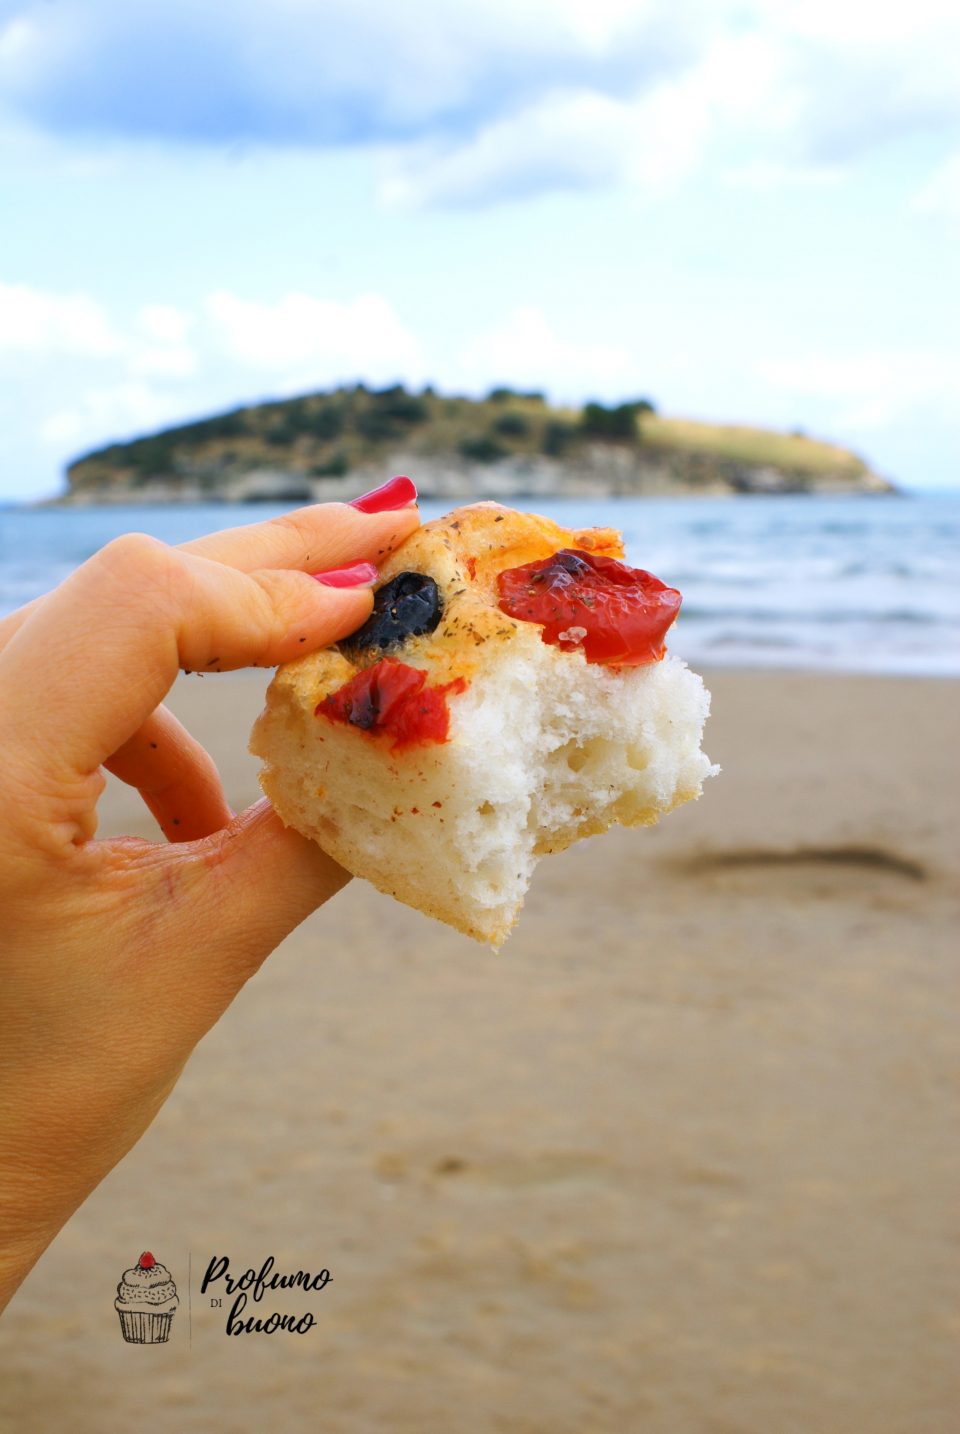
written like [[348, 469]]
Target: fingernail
[[395, 493], [355, 575]]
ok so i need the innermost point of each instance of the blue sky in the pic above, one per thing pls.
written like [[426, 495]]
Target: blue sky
[[748, 211]]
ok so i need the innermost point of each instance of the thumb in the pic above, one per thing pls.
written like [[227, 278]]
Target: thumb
[[261, 880]]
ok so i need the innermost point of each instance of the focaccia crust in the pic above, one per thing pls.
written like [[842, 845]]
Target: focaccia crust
[[543, 747], [463, 552]]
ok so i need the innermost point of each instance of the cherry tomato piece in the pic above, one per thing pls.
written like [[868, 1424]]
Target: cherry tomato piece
[[393, 698], [614, 614]]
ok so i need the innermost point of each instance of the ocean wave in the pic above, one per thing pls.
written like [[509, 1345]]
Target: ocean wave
[[829, 583], [828, 617]]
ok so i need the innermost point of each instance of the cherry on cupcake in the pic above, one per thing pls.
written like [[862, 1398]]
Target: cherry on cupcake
[[146, 1261]]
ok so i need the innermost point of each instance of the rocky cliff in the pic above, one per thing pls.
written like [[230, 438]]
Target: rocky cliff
[[333, 445]]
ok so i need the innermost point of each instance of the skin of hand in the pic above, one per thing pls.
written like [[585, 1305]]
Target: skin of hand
[[118, 955]]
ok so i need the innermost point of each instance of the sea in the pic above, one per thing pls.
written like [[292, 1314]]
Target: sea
[[850, 584]]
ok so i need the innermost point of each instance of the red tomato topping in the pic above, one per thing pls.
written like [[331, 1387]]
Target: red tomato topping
[[612, 613], [393, 698]]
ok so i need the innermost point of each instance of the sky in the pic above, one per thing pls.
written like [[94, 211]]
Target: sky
[[745, 210]]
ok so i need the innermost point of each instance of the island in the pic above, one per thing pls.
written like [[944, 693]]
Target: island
[[509, 444]]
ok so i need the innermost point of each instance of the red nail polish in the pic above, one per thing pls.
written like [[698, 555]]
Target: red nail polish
[[355, 575], [395, 493]]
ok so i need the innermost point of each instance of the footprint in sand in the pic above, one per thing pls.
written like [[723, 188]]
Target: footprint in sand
[[505, 1171], [840, 871]]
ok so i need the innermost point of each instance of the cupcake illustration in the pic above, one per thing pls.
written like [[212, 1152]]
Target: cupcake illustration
[[146, 1302]]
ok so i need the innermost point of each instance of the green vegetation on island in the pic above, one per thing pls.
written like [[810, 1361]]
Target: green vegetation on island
[[327, 445]]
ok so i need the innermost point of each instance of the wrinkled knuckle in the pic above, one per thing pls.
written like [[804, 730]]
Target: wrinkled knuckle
[[136, 554], [300, 527], [270, 583], [273, 603], [144, 567], [275, 593]]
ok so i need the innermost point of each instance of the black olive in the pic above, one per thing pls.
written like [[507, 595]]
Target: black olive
[[407, 606]]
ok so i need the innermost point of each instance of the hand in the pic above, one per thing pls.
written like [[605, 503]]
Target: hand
[[118, 955]]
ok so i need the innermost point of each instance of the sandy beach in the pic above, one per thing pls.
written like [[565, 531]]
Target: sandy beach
[[681, 1159]]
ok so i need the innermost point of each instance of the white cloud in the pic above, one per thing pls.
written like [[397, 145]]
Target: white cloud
[[569, 141], [865, 74], [308, 339], [344, 72], [585, 139], [492, 98], [167, 362], [875, 388], [35, 322], [176, 361], [164, 323], [525, 350], [104, 413], [242, 345], [17, 40], [777, 92], [864, 24], [763, 175], [50, 326], [165, 354], [940, 196]]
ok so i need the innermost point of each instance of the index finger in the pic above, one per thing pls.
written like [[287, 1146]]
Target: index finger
[[304, 539], [308, 540], [99, 655]]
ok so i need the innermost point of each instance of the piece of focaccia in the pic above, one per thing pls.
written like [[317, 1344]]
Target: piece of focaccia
[[509, 695]]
